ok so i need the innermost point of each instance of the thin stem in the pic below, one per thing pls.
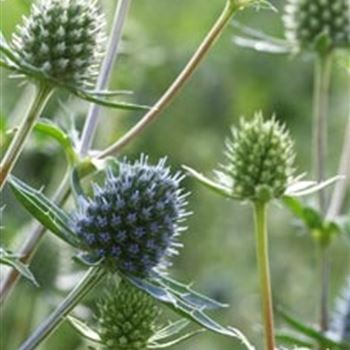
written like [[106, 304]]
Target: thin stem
[[179, 82], [105, 73], [321, 100], [323, 69], [262, 253], [89, 281], [42, 95], [338, 195]]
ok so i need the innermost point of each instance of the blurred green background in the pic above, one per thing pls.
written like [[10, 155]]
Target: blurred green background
[[219, 252]]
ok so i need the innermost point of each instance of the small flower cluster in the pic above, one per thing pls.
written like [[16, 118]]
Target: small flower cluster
[[260, 159], [62, 39], [127, 318], [307, 21], [133, 220]]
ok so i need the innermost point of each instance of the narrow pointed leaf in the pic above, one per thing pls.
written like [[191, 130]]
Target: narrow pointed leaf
[[213, 186], [289, 339], [185, 293], [157, 345], [10, 259], [313, 187], [83, 329], [311, 332], [170, 330], [45, 211]]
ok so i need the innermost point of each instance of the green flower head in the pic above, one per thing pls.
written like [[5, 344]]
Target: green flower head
[[127, 318], [63, 39], [318, 24], [260, 159]]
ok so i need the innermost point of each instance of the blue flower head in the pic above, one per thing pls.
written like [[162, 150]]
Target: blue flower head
[[134, 219]]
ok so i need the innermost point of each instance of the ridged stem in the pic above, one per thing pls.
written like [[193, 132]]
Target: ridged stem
[[262, 253], [323, 67], [92, 277], [106, 70], [178, 83], [41, 97]]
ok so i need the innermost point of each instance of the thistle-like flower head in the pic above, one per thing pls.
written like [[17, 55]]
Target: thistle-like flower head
[[134, 219], [63, 39], [260, 159], [127, 318], [308, 21]]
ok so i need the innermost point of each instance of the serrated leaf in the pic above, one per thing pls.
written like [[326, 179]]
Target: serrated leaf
[[311, 332], [183, 308], [185, 293], [46, 212], [213, 186], [48, 128], [10, 259], [84, 330]]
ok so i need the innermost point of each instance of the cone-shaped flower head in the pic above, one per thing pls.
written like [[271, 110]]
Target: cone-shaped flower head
[[309, 21], [63, 39], [341, 319], [260, 159], [127, 318], [134, 219]]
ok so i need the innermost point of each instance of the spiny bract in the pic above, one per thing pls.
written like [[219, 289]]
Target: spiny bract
[[306, 21], [127, 318], [134, 219], [260, 159], [340, 326], [63, 39]]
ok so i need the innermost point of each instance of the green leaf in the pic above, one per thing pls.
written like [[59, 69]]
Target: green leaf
[[183, 308], [290, 339], [48, 128], [13, 260], [185, 293], [84, 330], [213, 186], [91, 97], [311, 332], [46, 212]]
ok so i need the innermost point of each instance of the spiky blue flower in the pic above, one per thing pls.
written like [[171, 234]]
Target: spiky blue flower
[[62, 39], [340, 326], [127, 318], [134, 219]]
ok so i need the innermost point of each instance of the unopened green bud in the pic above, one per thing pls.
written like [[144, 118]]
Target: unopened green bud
[[260, 159]]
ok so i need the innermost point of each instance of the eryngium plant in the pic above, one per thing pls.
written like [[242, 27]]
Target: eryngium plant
[[62, 39], [127, 318], [133, 220], [308, 21], [260, 159]]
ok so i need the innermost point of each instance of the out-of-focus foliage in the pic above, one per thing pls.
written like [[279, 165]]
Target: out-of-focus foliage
[[219, 252]]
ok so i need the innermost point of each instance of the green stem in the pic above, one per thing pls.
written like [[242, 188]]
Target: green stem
[[261, 237], [323, 69], [321, 100], [42, 95], [90, 280]]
